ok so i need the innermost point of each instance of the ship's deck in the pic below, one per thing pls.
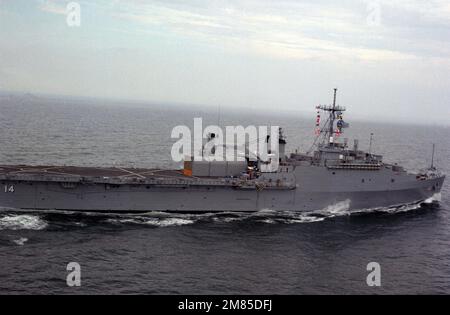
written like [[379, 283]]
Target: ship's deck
[[113, 172]]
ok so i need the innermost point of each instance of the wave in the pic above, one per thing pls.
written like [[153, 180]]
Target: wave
[[157, 222], [338, 209], [21, 241], [166, 219], [436, 198], [170, 222], [22, 222]]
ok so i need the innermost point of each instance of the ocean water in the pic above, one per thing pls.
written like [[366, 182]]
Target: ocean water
[[322, 252]]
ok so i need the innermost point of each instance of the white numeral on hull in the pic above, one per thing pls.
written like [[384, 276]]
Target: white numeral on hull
[[9, 189]]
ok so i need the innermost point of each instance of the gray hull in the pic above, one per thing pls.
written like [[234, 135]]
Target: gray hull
[[315, 188]]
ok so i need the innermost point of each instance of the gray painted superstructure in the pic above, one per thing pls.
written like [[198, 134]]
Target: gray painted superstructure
[[333, 174]]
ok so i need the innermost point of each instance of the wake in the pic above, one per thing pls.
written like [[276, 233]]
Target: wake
[[40, 220]]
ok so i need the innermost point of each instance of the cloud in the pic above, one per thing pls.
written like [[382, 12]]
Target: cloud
[[290, 29], [309, 29], [435, 12]]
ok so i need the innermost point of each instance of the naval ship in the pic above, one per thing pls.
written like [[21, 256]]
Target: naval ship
[[332, 173]]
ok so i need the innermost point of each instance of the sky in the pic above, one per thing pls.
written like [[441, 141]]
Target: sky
[[390, 59]]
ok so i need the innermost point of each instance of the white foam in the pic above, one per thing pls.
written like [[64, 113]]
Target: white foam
[[399, 209], [22, 222], [268, 221], [305, 219], [21, 241], [119, 221], [337, 209], [227, 219], [437, 197], [169, 222]]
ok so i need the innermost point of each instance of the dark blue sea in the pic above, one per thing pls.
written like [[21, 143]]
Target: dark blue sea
[[227, 253]]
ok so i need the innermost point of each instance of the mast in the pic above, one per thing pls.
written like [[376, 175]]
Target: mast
[[432, 156], [329, 130], [332, 118]]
